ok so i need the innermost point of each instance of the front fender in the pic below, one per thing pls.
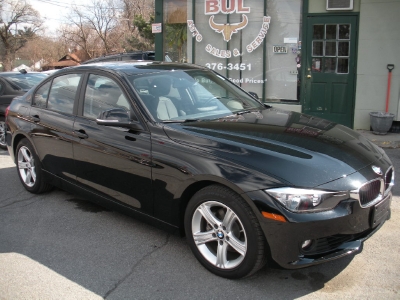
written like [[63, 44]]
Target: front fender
[[180, 171]]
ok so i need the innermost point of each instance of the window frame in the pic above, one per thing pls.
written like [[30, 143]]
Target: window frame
[[135, 108], [51, 81]]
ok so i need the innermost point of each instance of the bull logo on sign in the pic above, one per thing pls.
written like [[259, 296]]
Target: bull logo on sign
[[228, 29]]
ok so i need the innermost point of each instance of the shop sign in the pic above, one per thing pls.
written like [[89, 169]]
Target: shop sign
[[213, 7], [279, 49], [228, 31]]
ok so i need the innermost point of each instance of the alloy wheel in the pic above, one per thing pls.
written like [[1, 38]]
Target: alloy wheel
[[26, 166], [219, 235]]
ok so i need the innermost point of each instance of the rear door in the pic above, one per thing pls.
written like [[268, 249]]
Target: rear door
[[113, 162], [52, 116]]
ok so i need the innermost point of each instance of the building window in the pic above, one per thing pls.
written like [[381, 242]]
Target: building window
[[331, 48], [256, 44]]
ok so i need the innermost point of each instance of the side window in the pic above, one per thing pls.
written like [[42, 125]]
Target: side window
[[1, 88], [63, 93], [103, 93], [40, 98]]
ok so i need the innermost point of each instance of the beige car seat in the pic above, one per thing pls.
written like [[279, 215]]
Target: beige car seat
[[159, 88]]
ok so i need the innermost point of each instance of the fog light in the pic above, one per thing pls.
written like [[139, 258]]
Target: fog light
[[306, 244]]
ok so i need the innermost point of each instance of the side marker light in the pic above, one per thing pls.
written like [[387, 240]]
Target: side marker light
[[274, 217]]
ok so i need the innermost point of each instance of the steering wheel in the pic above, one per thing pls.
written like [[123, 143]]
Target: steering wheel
[[208, 101]]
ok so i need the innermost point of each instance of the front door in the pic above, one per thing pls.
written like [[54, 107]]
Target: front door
[[112, 162], [330, 68]]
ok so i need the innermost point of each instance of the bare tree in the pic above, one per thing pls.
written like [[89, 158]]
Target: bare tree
[[98, 28], [12, 38], [44, 50], [95, 28], [78, 33], [102, 17]]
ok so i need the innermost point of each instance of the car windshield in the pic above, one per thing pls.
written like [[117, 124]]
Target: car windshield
[[178, 96], [24, 81]]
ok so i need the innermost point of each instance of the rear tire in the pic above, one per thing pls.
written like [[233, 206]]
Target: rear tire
[[29, 170], [224, 233], [3, 144]]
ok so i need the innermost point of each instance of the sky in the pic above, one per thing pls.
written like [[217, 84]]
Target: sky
[[55, 11]]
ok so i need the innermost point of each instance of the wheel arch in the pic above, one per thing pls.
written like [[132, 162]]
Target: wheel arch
[[17, 138]]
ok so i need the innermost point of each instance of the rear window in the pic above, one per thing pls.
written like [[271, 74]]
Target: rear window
[[58, 95]]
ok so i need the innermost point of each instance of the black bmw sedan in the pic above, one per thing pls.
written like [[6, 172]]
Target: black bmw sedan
[[182, 147]]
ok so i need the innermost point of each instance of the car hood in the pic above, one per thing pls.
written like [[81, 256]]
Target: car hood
[[294, 148]]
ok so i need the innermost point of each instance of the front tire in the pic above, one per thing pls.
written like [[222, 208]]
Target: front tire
[[224, 233], [29, 170]]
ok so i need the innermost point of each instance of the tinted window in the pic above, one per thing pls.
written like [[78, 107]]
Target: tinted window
[[103, 93], [149, 56], [41, 94], [63, 92]]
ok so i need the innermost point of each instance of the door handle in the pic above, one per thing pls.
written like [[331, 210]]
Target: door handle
[[129, 138], [81, 134], [35, 118], [308, 76]]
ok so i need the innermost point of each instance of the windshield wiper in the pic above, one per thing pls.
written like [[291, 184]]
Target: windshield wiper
[[242, 112], [180, 121]]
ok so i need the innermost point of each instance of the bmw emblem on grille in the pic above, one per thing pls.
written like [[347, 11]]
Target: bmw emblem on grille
[[377, 170], [220, 235]]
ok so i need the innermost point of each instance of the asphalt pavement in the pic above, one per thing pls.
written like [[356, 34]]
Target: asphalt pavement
[[58, 246]]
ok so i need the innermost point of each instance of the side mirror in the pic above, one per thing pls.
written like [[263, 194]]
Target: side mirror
[[254, 95], [118, 117]]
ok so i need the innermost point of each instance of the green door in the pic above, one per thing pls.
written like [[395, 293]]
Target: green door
[[330, 68]]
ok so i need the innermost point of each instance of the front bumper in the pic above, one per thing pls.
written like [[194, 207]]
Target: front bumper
[[342, 250], [334, 234]]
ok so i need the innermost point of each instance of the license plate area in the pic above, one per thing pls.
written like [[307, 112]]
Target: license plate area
[[380, 212]]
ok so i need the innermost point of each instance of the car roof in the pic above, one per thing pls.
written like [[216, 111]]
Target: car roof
[[134, 67], [125, 54], [114, 56]]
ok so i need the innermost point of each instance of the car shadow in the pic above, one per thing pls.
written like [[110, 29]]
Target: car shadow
[[114, 256], [291, 284]]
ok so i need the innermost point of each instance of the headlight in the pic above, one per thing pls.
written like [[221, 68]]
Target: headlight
[[303, 200]]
